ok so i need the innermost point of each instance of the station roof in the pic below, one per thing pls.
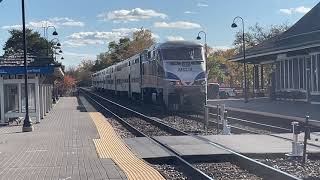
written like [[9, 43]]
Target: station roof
[[14, 65], [305, 34]]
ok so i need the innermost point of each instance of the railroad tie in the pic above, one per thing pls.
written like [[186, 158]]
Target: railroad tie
[[110, 145]]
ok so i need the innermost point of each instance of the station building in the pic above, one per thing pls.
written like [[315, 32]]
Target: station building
[[41, 79], [295, 59]]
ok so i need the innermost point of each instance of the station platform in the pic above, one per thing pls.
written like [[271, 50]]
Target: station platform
[[64, 146], [245, 144], [264, 106]]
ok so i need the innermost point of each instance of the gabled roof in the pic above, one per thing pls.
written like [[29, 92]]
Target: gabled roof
[[302, 35]]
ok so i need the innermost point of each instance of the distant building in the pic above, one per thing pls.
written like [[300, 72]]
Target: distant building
[[295, 55]]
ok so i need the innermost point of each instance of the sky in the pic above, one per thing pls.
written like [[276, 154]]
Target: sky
[[86, 27]]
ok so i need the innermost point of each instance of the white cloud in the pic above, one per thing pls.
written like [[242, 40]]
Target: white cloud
[[177, 25], [56, 21], [190, 12], [175, 38], [74, 59], [300, 9], [73, 23], [135, 14], [99, 37], [202, 5]]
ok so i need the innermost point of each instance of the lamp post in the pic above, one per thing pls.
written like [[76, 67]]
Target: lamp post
[[27, 124], [54, 33], [206, 57], [234, 25]]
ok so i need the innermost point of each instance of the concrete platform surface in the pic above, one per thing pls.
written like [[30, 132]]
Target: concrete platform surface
[[315, 137], [145, 148], [256, 144], [188, 146], [245, 144], [284, 108], [60, 147]]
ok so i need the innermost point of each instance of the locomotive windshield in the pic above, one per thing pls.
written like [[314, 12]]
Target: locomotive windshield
[[182, 54]]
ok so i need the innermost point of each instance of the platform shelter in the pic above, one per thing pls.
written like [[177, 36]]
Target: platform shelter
[[40, 91]]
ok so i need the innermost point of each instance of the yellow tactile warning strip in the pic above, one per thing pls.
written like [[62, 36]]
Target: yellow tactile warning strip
[[110, 145]]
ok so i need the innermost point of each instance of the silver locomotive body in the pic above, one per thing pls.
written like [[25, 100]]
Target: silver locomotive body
[[171, 73]]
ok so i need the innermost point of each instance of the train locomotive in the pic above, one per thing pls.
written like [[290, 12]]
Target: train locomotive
[[170, 74]]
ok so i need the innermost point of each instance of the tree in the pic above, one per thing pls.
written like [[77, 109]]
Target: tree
[[82, 73], [36, 45], [256, 35], [125, 48], [66, 85]]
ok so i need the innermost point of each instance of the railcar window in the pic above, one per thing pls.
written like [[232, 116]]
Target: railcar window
[[175, 63], [182, 54], [196, 62]]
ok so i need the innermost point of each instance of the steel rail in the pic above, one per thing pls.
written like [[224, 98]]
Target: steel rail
[[191, 170], [250, 164]]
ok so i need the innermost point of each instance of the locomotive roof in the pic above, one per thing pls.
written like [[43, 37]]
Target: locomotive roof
[[178, 44]]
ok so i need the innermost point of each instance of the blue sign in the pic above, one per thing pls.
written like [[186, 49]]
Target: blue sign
[[31, 70]]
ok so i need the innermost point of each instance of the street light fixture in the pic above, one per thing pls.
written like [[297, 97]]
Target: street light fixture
[[206, 57], [62, 58], [27, 124], [234, 25], [60, 51], [54, 33]]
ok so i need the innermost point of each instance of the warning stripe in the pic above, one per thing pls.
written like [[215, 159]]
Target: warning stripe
[[110, 145]]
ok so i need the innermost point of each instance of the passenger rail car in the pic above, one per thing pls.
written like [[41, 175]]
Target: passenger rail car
[[170, 73]]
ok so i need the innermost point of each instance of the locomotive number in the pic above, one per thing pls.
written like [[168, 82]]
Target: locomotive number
[[184, 69]]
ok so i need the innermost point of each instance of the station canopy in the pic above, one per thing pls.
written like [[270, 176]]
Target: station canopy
[[14, 65]]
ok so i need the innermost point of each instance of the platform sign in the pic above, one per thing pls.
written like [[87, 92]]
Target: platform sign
[[31, 70]]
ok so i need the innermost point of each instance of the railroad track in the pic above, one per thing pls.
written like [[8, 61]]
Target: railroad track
[[253, 166]]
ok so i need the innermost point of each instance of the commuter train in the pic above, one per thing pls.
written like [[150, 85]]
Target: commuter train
[[171, 74]]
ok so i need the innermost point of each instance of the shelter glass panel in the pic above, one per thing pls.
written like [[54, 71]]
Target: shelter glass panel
[[31, 98], [11, 98]]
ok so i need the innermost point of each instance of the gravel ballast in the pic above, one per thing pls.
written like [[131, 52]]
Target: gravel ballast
[[225, 171], [311, 170], [170, 172]]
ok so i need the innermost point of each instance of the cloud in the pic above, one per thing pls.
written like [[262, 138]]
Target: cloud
[[135, 14], [300, 10], [177, 25], [190, 12], [55, 21], [175, 38], [99, 37], [202, 5]]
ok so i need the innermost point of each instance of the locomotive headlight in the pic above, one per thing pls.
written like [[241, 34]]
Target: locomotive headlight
[[176, 83], [200, 82]]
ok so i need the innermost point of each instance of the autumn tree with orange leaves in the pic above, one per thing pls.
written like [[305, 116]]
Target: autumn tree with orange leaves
[[66, 85]]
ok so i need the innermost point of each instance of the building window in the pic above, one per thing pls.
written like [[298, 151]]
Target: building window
[[314, 73], [295, 73], [318, 71], [286, 74], [278, 75]]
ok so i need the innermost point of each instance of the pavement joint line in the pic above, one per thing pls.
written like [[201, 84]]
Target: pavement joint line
[[110, 145]]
